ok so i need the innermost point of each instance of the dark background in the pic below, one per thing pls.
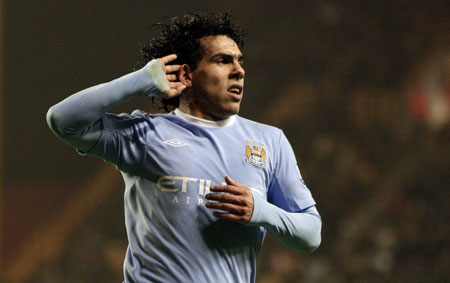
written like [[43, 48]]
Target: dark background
[[360, 88]]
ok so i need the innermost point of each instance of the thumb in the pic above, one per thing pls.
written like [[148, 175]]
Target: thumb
[[181, 88], [231, 181]]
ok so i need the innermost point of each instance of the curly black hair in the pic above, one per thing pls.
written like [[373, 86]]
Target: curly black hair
[[182, 36]]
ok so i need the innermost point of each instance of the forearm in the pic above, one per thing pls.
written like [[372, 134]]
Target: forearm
[[85, 107], [299, 231]]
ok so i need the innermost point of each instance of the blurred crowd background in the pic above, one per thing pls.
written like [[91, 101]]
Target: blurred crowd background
[[360, 88]]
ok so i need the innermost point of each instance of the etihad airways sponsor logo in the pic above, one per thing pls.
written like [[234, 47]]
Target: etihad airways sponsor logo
[[173, 184]]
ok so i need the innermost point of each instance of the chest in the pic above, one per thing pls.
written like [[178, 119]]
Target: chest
[[191, 162]]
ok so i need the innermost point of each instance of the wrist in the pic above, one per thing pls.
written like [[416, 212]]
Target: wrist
[[157, 78], [258, 218]]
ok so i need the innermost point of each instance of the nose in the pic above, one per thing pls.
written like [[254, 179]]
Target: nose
[[238, 71]]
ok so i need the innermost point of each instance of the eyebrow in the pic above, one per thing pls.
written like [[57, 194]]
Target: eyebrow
[[239, 57]]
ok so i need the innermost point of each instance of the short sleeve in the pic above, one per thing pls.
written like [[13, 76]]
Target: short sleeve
[[123, 139], [287, 189]]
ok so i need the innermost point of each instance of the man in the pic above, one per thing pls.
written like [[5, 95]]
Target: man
[[202, 183]]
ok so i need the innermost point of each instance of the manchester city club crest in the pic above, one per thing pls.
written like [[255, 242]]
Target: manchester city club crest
[[255, 154]]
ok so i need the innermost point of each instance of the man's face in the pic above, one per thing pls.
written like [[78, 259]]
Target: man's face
[[218, 80]]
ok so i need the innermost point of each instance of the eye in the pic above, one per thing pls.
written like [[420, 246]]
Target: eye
[[224, 60]]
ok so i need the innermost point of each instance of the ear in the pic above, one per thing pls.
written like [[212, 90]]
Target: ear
[[185, 75]]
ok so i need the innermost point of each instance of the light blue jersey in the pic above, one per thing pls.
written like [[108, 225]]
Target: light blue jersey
[[168, 165], [169, 162]]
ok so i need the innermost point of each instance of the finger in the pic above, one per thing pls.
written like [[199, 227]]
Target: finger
[[227, 189], [172, 77], [233, 208], [172, 68], [180, 88], [175, 91], [234, 183], [176, 85], [228, 198], [166, 59], [231, 217], [230, 181]]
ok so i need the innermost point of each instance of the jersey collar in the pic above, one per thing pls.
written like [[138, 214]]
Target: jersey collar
[[203, 122]]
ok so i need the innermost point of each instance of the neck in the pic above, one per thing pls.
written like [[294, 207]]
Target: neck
[[193, 109], [203, 122]]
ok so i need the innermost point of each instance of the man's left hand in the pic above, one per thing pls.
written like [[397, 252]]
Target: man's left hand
[[235, 199]]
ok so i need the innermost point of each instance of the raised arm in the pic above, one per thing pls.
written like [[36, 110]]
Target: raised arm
[[75, 119]]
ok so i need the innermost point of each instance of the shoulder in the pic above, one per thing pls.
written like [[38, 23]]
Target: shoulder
[[264, 129], [269, 136]]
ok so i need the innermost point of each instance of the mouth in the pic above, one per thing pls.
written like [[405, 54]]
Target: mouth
[[236, 91]]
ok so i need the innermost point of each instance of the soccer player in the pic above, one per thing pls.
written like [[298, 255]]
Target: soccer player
[[202, 184]]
